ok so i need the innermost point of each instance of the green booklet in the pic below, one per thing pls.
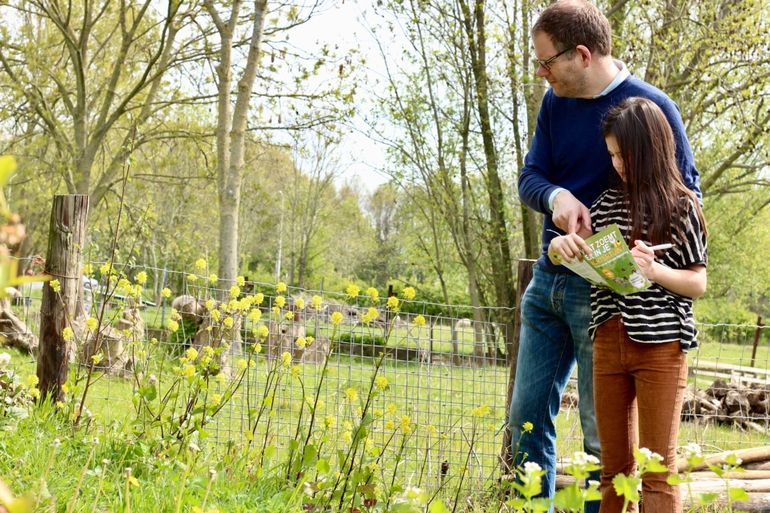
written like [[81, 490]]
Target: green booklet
[[610, 265]]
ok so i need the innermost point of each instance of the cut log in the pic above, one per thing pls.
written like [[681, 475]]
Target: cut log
[[750, 455], [14, 332], [748, 474]]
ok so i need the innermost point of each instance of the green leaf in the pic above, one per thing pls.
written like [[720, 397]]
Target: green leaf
[[706, 498], [437, 506], [322, 466], [737, 494], [626, 486], [675, 479], [309, 456]]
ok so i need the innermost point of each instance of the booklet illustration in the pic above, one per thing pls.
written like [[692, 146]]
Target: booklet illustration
[[610, 265]]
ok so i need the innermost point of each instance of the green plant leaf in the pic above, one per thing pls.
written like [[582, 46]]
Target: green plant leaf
[[737, 494]]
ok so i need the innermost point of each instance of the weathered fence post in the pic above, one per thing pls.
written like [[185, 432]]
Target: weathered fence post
[[525, 276], [757, 333], [66, 238]]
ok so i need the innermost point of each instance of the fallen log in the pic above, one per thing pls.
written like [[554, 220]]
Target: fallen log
[[750, 455], [746, 474]]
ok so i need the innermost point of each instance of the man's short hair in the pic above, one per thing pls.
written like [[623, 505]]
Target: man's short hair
[[575, 22]]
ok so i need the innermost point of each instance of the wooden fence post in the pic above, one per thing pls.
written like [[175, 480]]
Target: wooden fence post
[[525, 276], [757, 333], [66, 238]]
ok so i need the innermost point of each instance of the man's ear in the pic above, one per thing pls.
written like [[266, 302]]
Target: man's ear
[[585, 55]]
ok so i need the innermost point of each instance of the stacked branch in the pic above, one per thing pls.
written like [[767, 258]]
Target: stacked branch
[[747, 407]]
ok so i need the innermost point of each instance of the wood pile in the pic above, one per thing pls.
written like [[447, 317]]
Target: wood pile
[[754, 480], [745, 406]]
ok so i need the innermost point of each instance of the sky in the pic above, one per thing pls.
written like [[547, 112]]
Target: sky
[[362, 159]]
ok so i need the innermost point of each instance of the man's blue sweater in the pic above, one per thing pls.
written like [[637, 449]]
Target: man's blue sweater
[[568, 150]]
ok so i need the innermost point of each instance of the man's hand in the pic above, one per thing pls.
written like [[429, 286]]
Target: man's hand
[[566, 247], [571, 215]]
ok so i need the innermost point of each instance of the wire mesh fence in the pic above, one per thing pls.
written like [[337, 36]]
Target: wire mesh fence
[[442, 404]]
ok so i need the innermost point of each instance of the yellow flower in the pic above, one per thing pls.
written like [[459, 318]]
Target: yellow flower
[[200, 264], [352, 290], [419, 321], [309, 339], [365, 319], [210, 304], [431, 429], [347, 437], [31, 380], [329, 422], [390, 425], [166, 292], [406, 424], [527, 427], [316, 302], [213, 279], [279, 301], [235, 291], [55, 285], [106, 267], [301, 343], [259, 298], [381, 383], [296, 371], [241, 364], [192, 278], [262, 331], [289, 316], [409, 293], [280, 287], [255, 314], [392, 303], [257, 348], [390, 408], [351, 393], [275, 310], [172, 325], [97, 358], [34, 392], [373, 294], [240, 281], [372, 313], [216, 315], [216, 399], [189, 370], [67, 334], [91, 323], [191, 354], [299, 303], [481, 411], [286, 359], [228, 322], [336, 318], [141, 278]]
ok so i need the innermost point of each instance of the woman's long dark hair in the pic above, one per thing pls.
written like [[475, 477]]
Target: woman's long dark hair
[[652, 182]]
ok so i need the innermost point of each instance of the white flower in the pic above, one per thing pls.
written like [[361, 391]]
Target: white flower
[[582, 458], [692, 449], [650, 455], [56, 442], [530, 467], [594, 483], [5, 359]]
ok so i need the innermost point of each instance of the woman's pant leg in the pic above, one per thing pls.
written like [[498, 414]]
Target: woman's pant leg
[[614, 393], [660, 373]]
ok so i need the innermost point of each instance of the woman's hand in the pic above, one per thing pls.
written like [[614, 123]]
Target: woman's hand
[[645, 259], [566, 247]]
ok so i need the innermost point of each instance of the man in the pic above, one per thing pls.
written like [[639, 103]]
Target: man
[[566, 168]]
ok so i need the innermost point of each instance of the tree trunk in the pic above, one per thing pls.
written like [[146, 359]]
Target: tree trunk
[[66, 241]]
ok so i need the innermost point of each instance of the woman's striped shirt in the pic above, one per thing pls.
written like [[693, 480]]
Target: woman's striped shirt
[[655, 314]]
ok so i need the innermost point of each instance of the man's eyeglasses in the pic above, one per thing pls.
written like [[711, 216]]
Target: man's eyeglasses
[[547, 62]]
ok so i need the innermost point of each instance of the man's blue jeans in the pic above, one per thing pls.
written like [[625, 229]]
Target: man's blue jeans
[[555, 313]]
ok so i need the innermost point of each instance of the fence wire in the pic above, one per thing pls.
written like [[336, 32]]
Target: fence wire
[[447, 380]]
